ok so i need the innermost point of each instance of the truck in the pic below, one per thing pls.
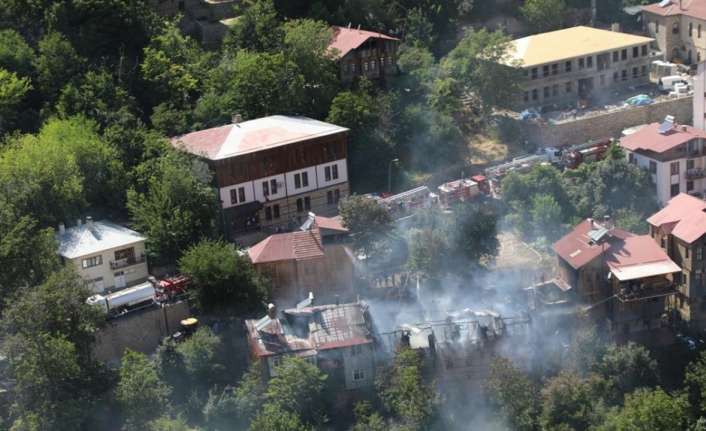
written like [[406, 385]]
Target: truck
[[119, 302], [463, 190], [591, 151]]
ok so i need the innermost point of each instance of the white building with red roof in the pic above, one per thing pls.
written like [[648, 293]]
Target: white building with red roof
[[680, 229], [270, 172], [674, 154], [364, 53], [679, 28]]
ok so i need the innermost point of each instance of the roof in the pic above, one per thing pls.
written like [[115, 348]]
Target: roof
[[639, 257], [347, 39], [648, 138], [254, 135], [692, 8], [578, 249], [300, 245], [683, 217], [569, 43], [94, 237], [330, 225], [310, 329]]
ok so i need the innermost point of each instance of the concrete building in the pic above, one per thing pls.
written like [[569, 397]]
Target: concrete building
[[578, 63], [338, 338], [300, 262], [271, 172], [364, 53], [680, 230], [673, 154], [106, 255], [699, 100], [679, 29]]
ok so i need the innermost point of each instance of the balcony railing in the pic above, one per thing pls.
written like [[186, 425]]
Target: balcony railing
[[123, 263], [695, 173], [634, 293]]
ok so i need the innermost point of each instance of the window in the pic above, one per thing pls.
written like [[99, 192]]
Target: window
[[567, 66], [300, 205], [581, 63], [555, 68], [526, 97], [699, 253], [305, 179], [624, 54], [568, 87], [372, 65], [589, 62], [691, 28], [265, 188], [90, 262], [336, 195], [643, 48], [534, 73], [268, 213], [365, 66], [275, 211], [233, 196], [635, 51], [273, 186], [635, 72], [653, 167], [327, 173], [546, 92], [689, 186], [656, 27], [334, 172], [615, 76], [276, 361], [686, 252], [624, 75], [555, 90], [297, 181], [535, 94], [241, 194], [356, 350], [358, 374], [616, 56], [545, 70], [307, 203], [674, 168], [643, 71], [698, 31], [690, 164], [329, 197], [674, 190], [631, 158]]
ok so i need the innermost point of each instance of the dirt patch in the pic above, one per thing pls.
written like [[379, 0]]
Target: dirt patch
[[487, 149], [514, 253]]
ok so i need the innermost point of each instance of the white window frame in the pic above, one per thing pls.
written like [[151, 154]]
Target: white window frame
[[358, 374]]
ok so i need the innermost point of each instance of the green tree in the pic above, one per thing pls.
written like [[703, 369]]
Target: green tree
[[366, 219], [367, 419], [141, 393], [649, 409], [544, 15], [166, 423], [237, 408], [475, 237], [427, 252], [222, 276], [57, 63], [546, 217], [297, 388], [257, 29], [695, 383], [15, 54], [626, 368], [513, 394], [568, 404], [274, 417], [13, 91], [404, 393], [200, 355], [173, 204]]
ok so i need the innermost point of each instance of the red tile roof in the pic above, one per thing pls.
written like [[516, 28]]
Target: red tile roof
[[347, 39], [648, 138], [692, 8], [301, 245], [253, 135], [684, 216], [331, 223], [576, 247]]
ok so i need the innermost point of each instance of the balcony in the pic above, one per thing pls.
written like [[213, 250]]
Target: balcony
[[629, 292], [695, 173], [124, 263]]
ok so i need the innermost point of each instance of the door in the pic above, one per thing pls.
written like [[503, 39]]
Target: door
[[120, 280]]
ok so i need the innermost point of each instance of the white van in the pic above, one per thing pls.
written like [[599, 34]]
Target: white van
[[666, 83]]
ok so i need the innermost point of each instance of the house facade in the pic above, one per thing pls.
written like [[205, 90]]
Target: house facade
[[579, 63], [300, 262], [680, 230], [678, 28], [362, 53], [270, 172], [106, 255], [338, 338], [673, 154]]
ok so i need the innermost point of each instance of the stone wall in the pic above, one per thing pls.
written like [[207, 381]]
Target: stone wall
[[608, 124], [140, 330]]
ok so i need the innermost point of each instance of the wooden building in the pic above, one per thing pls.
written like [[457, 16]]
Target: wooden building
[[364, 53], [270, 172]]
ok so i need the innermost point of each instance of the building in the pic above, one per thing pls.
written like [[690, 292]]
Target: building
[[673, 154], [270, 172], [699, 98], [622, 280], [300, 262], [106, 255], [364, 53], [207, 21], [679, 229], [679, 29], [338, 338], [578, 63]]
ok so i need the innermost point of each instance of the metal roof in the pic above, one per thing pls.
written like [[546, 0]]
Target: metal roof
[[94, 237]]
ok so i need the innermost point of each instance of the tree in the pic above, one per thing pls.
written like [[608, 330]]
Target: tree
[[141, 393], [427, 253], [173, 205], [297, 388], [513, 394], [546, 217], [367, 419], [647, 409], [15, 54], [366, 219], [418, 29], [274, 417], [404, 393], [257, 29], [626, 368], [223, 277], [475, 239], [13, 90], [200, 357], [695, 383], [237, 408], [57, 63], [568, 404], [544, 15], [166, 423]]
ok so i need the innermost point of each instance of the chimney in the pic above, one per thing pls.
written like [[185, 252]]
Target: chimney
[[615, 27], [237, 119], [607, 223], [271, 311], [89, 222], [349, 25], [590, 222], [338, 300], [62, 228], [358, 27]]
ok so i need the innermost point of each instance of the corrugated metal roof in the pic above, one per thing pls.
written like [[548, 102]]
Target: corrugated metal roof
[[92, 238], [347, 39]]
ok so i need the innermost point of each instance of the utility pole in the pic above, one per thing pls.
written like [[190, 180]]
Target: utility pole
[[389, 174]]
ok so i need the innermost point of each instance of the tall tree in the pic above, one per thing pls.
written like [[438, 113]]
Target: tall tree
[[15, 54], [142, 395], [57, 64], [568, 403], [257, 29], [625, 369], [297, 388], [513, 394], [13, 91], [367, 220], [649, 410], [544, 15]]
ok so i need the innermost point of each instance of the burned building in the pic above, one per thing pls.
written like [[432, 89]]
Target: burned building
[[338, 338]]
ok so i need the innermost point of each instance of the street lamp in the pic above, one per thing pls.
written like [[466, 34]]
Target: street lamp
[[389, 173]]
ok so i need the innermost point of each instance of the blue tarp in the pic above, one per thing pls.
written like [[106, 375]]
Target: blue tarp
[[639, 100]]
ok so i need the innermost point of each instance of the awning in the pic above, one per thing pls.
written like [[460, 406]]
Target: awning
[[644, 270]]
